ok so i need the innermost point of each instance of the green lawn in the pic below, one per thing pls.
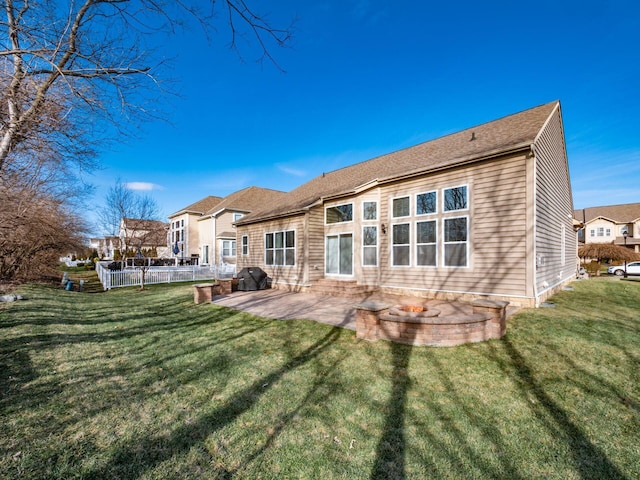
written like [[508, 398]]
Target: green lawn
[[129, 384]]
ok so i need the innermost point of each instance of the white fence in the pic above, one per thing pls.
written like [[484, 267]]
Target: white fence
[[130, 277]]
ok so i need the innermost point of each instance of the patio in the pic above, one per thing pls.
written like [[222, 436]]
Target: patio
[[338, 311]]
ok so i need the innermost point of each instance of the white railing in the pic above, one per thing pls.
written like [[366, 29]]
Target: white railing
[[130, 277]]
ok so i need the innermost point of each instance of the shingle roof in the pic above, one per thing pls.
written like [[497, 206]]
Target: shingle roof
[[483, 141], [200, 207], [247, 200], [626, 213]]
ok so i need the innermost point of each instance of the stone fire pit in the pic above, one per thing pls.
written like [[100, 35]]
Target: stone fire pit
[[423, 325], [414, 311]]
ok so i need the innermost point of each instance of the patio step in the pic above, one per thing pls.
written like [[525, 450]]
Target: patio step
[[340, 288]]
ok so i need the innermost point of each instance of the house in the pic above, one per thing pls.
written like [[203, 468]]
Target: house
[[217, 232], [183, 227], [485, 212], [137, 235], [608, 224], [106, 246]]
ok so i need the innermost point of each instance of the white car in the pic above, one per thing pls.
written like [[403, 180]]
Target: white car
[[633, 268]]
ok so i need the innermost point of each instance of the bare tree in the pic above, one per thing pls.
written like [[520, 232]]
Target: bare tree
[[36, 228], [93, 59], [74, 74], [135, 220]]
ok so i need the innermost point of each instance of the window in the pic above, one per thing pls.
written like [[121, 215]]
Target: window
[[455, 199], [601, 231], [426, 203], [340, 213], [455, 241], [228, 248], [237, 216], [205, 254], [401, 244], [608, 232], [592, 233], [245, 245], [370, 210], [280, 248], [623, 229], [401, 207], [426, 243], [369, 246]]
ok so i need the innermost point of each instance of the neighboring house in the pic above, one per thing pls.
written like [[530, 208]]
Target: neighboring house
[[139, 234], [183, 228], [217, 232], [485, 212], [106, 246], [607, 224]]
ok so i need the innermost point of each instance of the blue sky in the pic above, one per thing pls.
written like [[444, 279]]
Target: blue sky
[[368, 77]]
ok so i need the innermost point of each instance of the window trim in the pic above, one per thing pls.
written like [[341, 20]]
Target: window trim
[[336, 206], [363, 211], [466, 242], [398, 198], [284, 248], [435, 222], [468, 199], [376, 247], [393, 245], [424, 193], [244, 245], [233, 248]]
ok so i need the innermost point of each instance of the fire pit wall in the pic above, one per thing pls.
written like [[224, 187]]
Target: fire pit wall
[[488, 320]]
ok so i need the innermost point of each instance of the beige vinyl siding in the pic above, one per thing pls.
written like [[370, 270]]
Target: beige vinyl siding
[[496, 193], [285, 275], [314, 244], [554, 208]]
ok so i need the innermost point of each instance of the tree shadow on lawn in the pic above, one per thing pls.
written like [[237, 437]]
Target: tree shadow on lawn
[[19, 381], [151, 451], [589, 460]]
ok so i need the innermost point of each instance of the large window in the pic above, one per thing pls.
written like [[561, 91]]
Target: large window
[[370, 246], [401, 244], [228, 248], [455, 241], [340, 213], [426, 247], [455, 199], [401, 207], [280, 248], [426, 203]]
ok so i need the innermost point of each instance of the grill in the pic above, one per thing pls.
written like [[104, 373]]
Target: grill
[[252, 278]]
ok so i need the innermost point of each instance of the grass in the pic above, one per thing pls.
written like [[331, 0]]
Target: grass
[[147, 385]]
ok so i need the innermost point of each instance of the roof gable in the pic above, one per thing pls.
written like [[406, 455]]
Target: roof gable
[[247, 200], [200, 207], [500, 136], [626, 213]]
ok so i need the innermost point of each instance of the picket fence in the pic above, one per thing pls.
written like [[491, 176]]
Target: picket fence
[[130, 277]]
